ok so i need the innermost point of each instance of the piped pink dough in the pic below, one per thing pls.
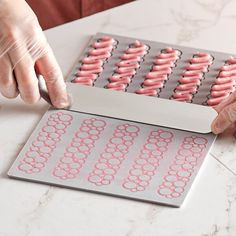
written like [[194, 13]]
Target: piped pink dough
[[127, 67], [192, 77], [224, 84], [92, 65], [162, 68]]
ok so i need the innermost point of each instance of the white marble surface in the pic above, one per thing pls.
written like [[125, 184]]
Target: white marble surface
[[28, 209]]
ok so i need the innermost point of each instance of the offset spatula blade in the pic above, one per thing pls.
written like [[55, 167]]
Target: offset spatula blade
[[133, 107], [144, 109]]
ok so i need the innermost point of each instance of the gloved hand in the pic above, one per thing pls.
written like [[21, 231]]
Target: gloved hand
[[226, 116], [24, 48]]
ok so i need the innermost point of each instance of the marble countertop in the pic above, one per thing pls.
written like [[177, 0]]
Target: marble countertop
[[29, 209]]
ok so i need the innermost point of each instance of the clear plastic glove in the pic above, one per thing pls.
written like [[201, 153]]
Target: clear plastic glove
[[226, 114], [24, 49]]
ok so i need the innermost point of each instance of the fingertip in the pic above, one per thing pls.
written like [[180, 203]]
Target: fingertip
[[217, 108], [221, 123], [10, 92], [59, 97], [70, 100], [64, 104], [225, 102], [61, 104], [56, 86], [214, 128]]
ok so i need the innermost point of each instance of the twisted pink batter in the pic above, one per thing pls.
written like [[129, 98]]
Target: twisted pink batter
[[156, 78], [127, 67], [224, 84], [92, 65], [192, 76]]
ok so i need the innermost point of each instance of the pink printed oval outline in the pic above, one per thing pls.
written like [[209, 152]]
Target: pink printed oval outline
[[77, 152], [45, 143]]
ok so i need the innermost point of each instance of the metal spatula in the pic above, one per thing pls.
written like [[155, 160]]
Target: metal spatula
[[138, 108]]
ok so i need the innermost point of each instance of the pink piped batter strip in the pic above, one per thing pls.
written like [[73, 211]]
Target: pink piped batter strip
[[79, 149], [146, 164], [115, 151], [127, 67], [159, 74], [192, 77], [181, 169], [224, 84], [92, 65], [42, 147]]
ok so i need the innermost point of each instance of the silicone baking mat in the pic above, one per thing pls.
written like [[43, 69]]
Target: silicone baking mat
[[124, 158], [156, 69], [112, 156]]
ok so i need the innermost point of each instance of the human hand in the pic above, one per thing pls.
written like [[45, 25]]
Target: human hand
[[24, 48], [226, 114]]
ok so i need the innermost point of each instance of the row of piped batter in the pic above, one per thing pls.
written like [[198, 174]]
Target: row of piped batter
[[156, 69]]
